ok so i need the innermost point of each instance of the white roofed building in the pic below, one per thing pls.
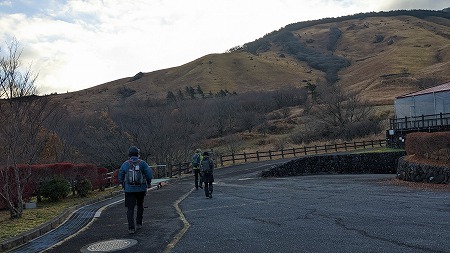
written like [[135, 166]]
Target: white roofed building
[[430, 101], [426, 110]]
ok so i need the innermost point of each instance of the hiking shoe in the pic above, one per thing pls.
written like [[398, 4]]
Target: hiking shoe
[[131, 231], [210, 195], [201, 187], [139, 226]]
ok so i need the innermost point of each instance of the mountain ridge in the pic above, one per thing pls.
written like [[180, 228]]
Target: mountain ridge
[[389, 54]]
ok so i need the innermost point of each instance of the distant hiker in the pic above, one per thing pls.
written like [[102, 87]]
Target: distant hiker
[[196, 160], [135, 176], [207, 170]]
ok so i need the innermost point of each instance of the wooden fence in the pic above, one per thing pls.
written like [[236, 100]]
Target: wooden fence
[[178, 169], [303, 151], [186, 168]]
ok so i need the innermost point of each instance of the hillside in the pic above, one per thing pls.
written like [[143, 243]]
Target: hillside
[[238, 72], [296, 86], [388, 56]]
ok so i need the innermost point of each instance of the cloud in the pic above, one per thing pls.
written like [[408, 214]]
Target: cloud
[[77, 44], [416, 4]]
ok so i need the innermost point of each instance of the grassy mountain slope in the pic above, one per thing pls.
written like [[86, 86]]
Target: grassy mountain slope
[[236, 72], [389, 56]]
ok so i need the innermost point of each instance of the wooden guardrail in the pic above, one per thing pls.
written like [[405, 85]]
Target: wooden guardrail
[[302, 151], [178, 169], [186, 168]]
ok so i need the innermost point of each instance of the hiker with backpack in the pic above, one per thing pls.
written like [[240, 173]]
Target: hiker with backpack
[[207, 169], [196, 160], [135, 176]]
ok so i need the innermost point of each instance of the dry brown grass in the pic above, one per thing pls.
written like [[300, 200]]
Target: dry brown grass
[[413, 51], [44, 212], [418, 185]]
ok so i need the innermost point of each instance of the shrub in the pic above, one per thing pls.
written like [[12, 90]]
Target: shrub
[[136, 77], [433, 146], [55, 189], [333, 38], [83, 187], [378, 38], [101, 181], [126, 91]]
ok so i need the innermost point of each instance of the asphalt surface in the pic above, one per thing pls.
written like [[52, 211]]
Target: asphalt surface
[[323, 213], [161, 223]]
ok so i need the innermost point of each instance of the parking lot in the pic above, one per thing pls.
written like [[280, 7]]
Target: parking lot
[[317, 213]]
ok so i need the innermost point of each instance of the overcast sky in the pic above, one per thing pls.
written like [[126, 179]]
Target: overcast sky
[[76, 44]]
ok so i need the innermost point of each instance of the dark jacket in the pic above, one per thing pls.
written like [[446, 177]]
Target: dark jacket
[[207, 169]]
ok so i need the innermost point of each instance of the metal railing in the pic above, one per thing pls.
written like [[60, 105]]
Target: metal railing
[[423, 122]]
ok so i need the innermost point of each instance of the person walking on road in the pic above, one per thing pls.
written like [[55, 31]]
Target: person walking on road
[[135, 176], [196, 160], [207, 170]]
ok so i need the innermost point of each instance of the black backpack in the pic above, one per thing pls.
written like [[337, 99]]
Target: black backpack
[[206, 166]]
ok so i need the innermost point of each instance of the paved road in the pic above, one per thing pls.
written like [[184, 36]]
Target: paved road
[[326, 213]]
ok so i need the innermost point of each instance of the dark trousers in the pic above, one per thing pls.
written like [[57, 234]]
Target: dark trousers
[[197, 177], [208, 188], [133, 199], [208, 178]]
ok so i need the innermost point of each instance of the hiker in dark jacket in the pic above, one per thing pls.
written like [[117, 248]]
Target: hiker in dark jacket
[[207, 170], [135, 186]]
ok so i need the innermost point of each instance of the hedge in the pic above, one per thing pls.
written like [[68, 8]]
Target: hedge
[[433, 146], [33, 175]]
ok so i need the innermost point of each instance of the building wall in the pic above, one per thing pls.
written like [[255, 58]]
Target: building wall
[[426, 104]]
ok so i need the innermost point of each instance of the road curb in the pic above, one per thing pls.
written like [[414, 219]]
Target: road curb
[[34, 233], [27, 236]]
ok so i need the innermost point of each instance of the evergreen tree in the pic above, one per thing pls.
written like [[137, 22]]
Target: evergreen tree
[[180, 95], [200, 91], [171, 97]]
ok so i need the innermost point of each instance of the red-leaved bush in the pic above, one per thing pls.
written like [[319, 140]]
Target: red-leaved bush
[[434, 146], [33, 175]]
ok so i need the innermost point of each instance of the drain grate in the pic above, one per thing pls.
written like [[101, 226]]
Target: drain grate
[[109, 246]]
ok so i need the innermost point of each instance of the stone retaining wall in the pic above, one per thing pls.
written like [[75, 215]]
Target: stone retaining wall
[[374, 163], [417, 172]]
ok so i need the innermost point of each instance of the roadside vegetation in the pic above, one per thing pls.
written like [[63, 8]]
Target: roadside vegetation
[[46, 211]]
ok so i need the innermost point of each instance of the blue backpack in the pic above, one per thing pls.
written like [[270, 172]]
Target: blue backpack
[[196, 160]]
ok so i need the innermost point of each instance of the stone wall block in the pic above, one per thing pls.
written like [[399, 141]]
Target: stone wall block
[[379, 163]]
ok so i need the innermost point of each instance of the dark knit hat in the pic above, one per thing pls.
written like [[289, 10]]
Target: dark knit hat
[[133, 151]]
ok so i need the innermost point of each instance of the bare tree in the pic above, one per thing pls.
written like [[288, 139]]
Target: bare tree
[[165, 134], [102, 140], [23, 115], [69, 132], [341, 111]]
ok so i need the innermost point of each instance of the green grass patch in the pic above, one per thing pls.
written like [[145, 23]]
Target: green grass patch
[[378, 150]]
